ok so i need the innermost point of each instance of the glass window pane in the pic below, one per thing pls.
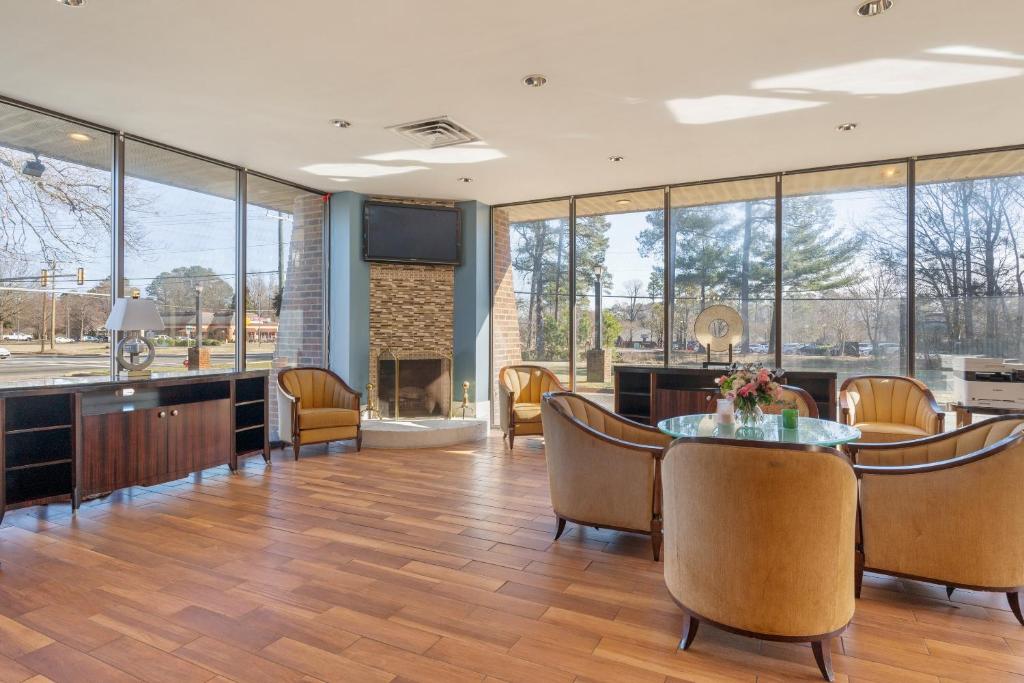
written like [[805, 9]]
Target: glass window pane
[[531, 286], [723, 253], [844, 271], [619, 247], [969, 241], [284, 316], [55, 216], [180, 251]]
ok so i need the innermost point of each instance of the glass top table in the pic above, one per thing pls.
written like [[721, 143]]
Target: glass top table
[[810, 430]]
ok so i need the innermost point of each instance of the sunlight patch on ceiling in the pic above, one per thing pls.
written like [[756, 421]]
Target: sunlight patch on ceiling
[[717, 108], [888, 77], [973, 51], [359, 170], [464, 154]]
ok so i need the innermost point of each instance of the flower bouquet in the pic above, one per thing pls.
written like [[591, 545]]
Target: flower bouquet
[[749, 387]]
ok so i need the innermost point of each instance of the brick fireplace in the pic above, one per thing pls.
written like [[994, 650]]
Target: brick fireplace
[[412, 317]]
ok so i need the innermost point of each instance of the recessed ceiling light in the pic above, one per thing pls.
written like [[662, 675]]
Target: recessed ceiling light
[[846, 127], [873, 8], [615, 158], [340, 123], [623, 202], [465, 179], [534, 80], [80, 137], [72, 3]]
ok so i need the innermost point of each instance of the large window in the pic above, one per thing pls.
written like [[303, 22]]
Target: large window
[[723, 252], [531, 281], [619, 255], [55, 227], [844, 271], [180, 250], [969, 275]]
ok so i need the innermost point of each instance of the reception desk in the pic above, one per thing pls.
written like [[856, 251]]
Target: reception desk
[[648, 394], [80, 437]]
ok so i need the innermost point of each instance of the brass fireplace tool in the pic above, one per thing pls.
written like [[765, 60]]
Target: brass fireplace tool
[[465, 398], [371, 403]]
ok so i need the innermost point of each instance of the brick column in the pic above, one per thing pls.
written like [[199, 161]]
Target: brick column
[[301, 323], [505, 342]]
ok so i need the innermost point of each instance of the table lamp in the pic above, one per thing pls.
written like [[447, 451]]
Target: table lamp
[[133, 316]]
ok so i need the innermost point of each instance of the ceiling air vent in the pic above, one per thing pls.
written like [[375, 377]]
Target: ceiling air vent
[[439, 131]]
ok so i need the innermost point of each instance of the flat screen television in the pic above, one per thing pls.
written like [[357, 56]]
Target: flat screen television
[[406, 233]]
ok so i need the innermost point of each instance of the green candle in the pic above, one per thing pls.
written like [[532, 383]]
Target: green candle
[[790, 418]]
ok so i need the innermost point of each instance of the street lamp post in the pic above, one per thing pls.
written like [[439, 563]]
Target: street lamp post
[[598, 272], [596, 365], [199, 316]]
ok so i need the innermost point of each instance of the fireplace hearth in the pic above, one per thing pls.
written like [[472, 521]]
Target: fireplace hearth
[[423, 387]]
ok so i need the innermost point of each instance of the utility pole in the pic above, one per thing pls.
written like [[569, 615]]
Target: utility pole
[[53, 302], [280, 251]]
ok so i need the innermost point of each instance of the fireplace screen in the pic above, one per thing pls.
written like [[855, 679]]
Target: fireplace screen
[[423, 387]]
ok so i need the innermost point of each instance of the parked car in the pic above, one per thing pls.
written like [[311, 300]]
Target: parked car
[[63, 340], [814, 350], [90, 338], [759, 348], [888, 348], [17, 336], [4, 353]]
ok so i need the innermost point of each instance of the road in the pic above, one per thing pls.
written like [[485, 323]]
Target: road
[[28, 366]]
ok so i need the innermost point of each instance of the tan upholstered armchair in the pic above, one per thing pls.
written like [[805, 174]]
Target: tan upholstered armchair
[[887, 409], [604, 470], [759, 539], [793, 397], [520, 388], [320, 408], [947, 509]]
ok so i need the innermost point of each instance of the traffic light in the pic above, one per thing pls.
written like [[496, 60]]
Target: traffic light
[[81, 276], [44, 278]]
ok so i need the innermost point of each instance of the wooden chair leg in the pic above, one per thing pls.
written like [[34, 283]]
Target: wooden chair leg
[[689, 632], [1014, 600], [511, 437], [296, 445], [359, 440], [561, 528], [656, 538], [858, 574], [823, 656]]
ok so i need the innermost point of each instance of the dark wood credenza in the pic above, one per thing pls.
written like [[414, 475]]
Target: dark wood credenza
[[79, 438], [648, 394]]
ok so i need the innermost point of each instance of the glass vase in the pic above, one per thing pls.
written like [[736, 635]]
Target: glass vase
[[749, 417]]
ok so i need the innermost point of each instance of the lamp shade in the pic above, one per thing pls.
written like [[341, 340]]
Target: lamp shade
[[134, 314]]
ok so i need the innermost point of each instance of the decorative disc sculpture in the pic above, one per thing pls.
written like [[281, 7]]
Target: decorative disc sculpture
[[140, 353], [718, 328]]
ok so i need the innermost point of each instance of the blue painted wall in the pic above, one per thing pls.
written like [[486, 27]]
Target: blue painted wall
[[350, 292], [472, 304]]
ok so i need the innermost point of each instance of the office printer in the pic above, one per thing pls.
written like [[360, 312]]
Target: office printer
[[988, 382]]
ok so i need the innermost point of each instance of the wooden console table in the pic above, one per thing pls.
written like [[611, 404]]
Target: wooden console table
[[649, 394], [76, 438], [965, 414]]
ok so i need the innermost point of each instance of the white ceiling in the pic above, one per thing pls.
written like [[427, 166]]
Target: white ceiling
[[254, 82]]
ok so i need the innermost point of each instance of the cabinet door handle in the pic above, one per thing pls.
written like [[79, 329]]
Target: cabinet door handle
[[174, 413], [161, 414]]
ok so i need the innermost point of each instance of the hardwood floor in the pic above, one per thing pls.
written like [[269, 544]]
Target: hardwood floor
[[410, 566]]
